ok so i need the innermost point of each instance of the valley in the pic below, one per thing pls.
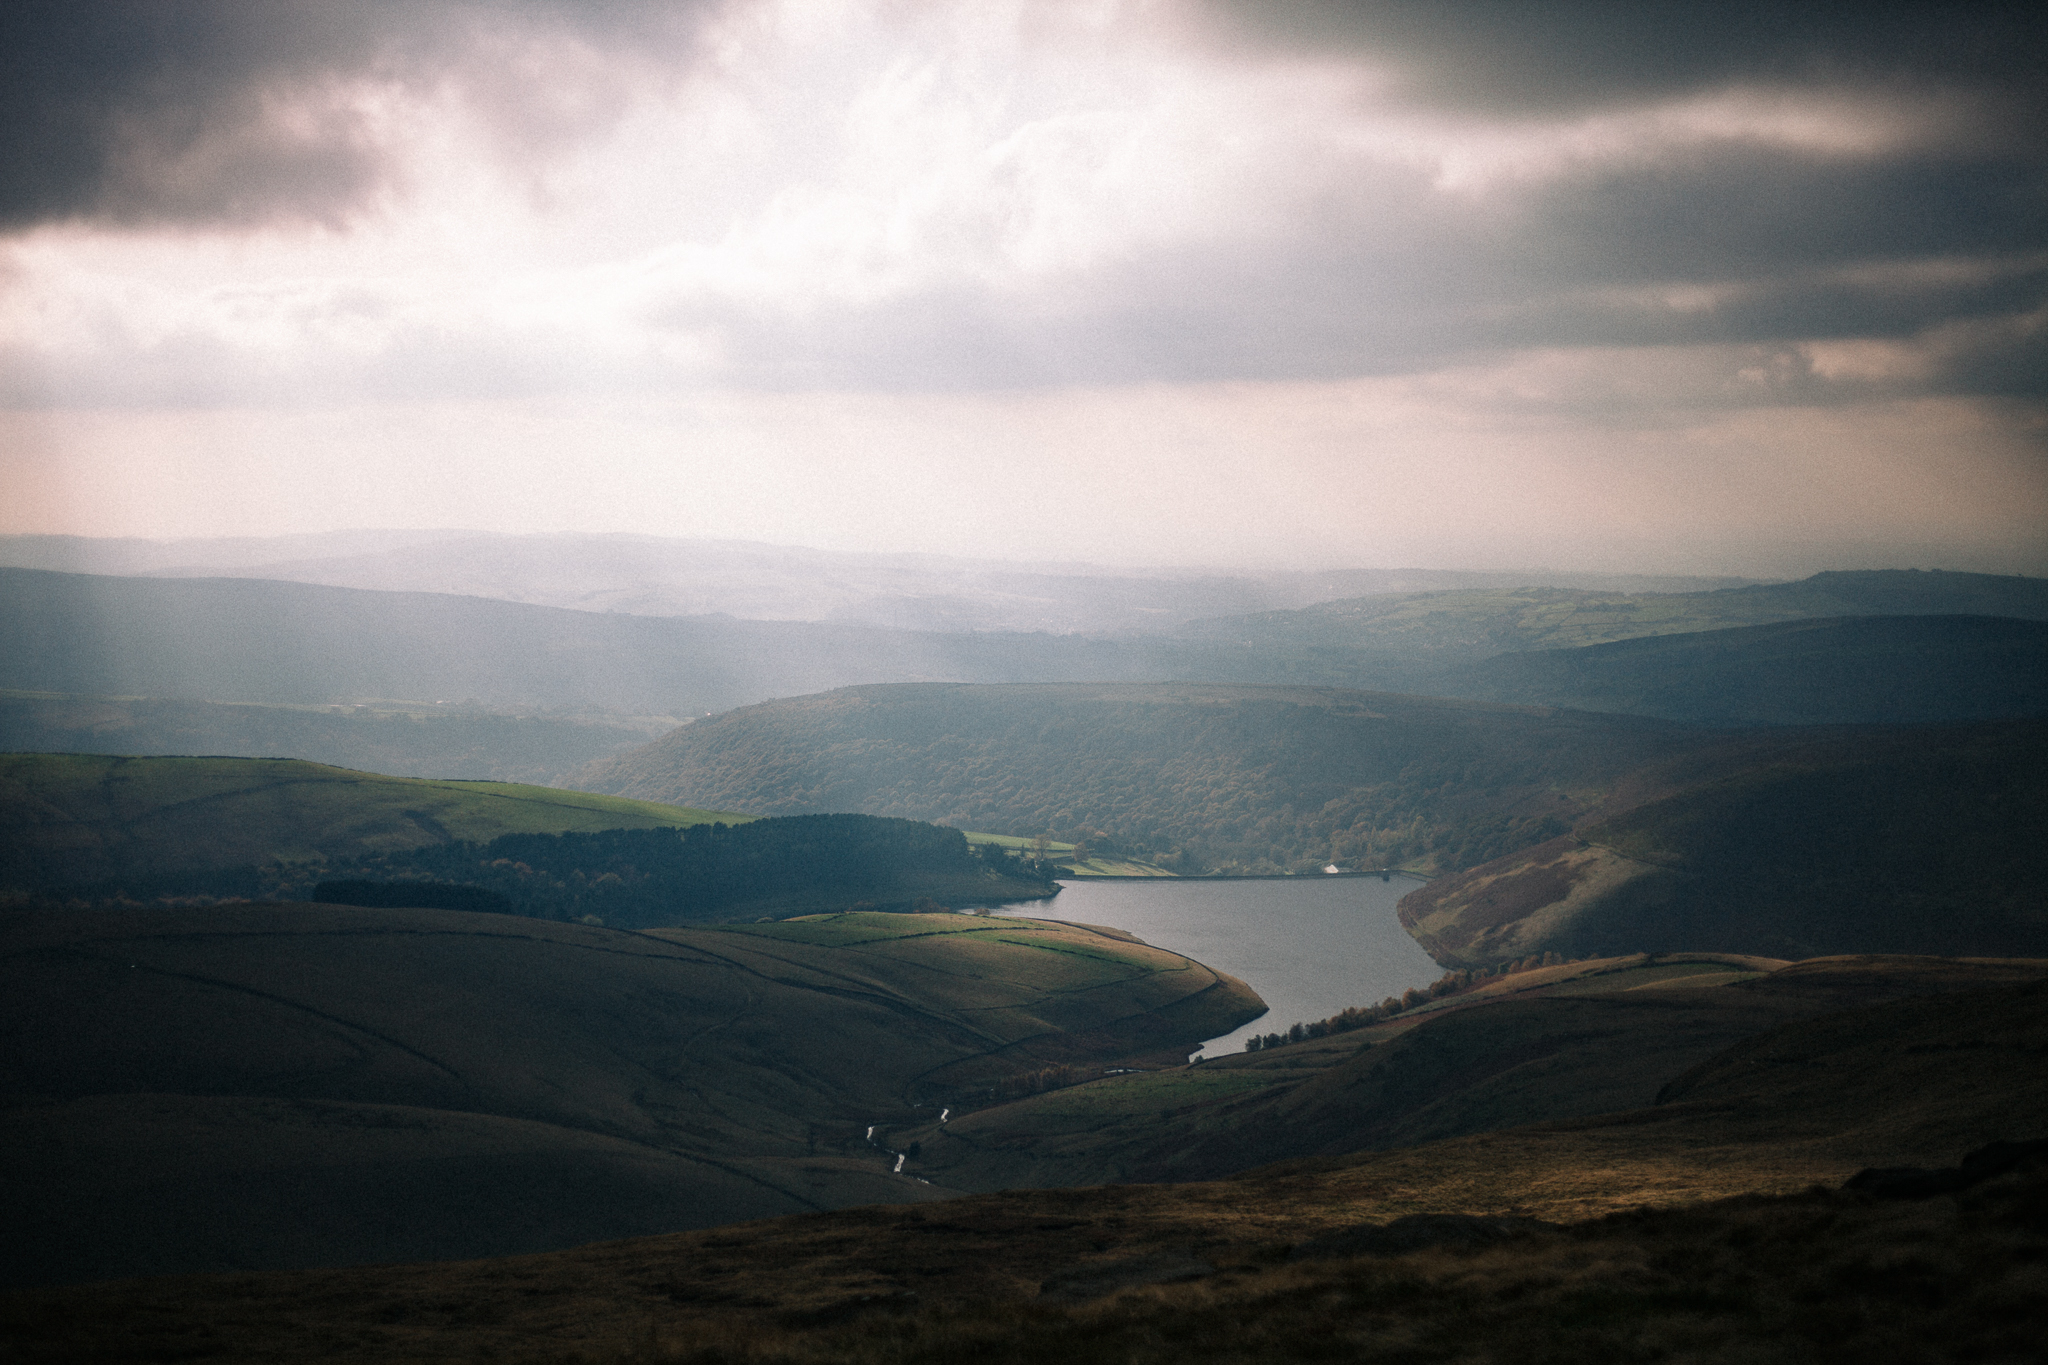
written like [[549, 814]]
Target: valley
[[682, 1052]]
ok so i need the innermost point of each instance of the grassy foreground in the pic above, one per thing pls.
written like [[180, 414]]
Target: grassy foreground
[[1705, 1228], [260, 1085]]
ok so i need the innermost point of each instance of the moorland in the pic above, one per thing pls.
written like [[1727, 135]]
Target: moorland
[[1706, 1223], [93, 829], [243, 1087], [1734, 884]]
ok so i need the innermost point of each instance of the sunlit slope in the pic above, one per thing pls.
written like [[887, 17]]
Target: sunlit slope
[[273, 1085], [1192, 776], [403, 739], [1871, 669], [1913, 840], [1560, 1046], [75, 817]]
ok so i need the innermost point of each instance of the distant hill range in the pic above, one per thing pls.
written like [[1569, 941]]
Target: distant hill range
[[1429, 642], [669, 576], [1881, 669], [403, 740], [255, 641]]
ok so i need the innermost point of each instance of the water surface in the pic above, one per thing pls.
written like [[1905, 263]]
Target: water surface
[[1310, 946]]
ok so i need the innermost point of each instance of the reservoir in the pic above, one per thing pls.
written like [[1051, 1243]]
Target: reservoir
[[1310, 946]]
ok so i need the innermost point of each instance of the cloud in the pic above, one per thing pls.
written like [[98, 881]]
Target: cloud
[[1500, 56], [641, 197], [246, 112]]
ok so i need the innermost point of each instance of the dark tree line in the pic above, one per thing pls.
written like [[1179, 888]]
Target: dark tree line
[[1452, 982], [644, 877], [639, 878]]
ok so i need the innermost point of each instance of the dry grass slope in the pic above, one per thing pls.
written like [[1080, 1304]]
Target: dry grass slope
[[1704, 1229], [273, 1085]]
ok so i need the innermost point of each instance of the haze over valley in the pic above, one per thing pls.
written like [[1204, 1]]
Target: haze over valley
[[755, 682]]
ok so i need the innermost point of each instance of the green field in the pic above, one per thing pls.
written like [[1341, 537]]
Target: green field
[[77, 817]]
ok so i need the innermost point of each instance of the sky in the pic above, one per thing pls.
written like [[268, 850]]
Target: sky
[[1694, 288]]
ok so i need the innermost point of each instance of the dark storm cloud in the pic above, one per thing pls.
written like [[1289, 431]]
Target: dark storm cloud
[[1737, 237], [1727, 246], [233, 111], [1505, 55]]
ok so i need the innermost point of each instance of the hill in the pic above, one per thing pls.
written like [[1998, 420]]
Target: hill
[[256, 641], [1556, 1046], [1422, 632], [67, 819], [417, 740], [671, 576], [1198, 777], [261, 1086], [644, 878], [248, 640], [1853, 670], [1914, 840], [1705, 1227]]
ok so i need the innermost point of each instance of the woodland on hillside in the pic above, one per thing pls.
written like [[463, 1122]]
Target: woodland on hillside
[[641, 878], [1197, 779]]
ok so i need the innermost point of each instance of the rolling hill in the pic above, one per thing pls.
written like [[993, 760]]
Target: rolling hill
[[1257, 779], [1918, 840], [1704, 1225], [67, 819], [671, 576], [1575, 832], [1825, 671], [1554, 1047], [256, 641], [1446, 629], [420, 740], [260, 1086]]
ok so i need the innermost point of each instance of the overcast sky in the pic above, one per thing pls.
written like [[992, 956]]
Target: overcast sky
[[1751, 288]]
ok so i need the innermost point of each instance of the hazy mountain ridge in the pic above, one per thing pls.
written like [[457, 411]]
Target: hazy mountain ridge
[[387, 738], [252, 640], [1825, 671], [1447, 629], [659, 576]]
